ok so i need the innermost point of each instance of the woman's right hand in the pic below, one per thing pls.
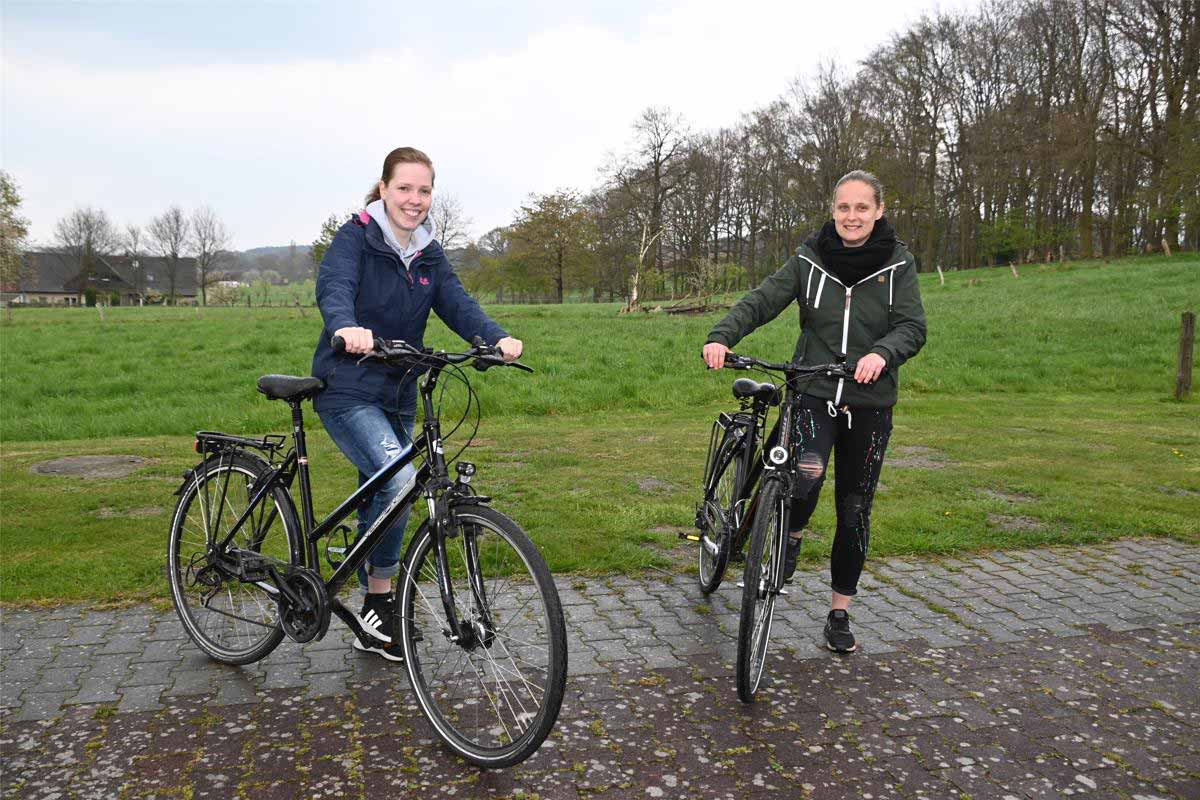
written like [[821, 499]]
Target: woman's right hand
[[714, 355], [358, 340]]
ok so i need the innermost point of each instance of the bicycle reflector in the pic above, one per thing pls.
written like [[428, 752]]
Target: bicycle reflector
[[196, 445]]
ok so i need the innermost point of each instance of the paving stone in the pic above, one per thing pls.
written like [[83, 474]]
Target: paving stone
[[1051, 668]]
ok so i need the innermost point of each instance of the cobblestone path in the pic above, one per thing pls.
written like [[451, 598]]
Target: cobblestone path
[[1024, 674]]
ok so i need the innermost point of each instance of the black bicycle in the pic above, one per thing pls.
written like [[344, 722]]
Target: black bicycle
[[479, 616], [747, 499]]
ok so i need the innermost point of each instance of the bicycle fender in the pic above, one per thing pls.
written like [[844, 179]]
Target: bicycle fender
[[189, 476], [471, 500]]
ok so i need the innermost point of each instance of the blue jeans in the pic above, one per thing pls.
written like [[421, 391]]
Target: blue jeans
[[370, 437]]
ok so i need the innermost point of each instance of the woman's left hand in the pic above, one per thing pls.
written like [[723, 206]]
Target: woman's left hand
[[511, 348], [869, 368]]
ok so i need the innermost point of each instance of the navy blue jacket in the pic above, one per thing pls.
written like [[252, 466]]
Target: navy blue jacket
[[363, 283]]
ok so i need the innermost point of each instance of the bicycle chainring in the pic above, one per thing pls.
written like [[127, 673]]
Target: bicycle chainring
[[308, 619]]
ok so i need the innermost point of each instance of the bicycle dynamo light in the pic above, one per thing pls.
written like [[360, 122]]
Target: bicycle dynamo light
[[778, 455], [466, 470]]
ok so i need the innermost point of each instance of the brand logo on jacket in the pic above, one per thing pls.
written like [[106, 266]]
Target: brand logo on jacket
[[423, 281]]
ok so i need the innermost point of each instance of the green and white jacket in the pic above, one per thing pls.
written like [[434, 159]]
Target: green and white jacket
[[882, 313]]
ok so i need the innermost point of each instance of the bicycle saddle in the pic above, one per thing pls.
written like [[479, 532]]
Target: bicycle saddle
[[765, 392], [288, 387]]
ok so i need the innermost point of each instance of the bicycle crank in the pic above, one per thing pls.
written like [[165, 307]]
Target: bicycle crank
[[307, 616]]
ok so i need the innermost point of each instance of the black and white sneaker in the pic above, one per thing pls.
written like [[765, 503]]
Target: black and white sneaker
[[838, 636], [389, 651], [376, 619], [376, 616]]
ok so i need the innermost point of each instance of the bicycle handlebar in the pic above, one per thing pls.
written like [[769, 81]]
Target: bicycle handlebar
[[844, 370], [485, 356]]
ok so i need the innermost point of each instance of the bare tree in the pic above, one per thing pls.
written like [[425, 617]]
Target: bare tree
[[210, 240], [650, 174], [169, 237], [84, 235], [450, 222], [133, 243]]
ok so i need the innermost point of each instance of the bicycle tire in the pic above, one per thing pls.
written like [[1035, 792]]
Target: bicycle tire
[[474, 705], [728, 475], [239, 622], [759, 589]]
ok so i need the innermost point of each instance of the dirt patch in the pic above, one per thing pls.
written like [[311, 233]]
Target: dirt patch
[[653, 485], [1177, 491], [1013, 522], [90, 467], [918, 456], [147, 511], [648, 437], [1008, 497]]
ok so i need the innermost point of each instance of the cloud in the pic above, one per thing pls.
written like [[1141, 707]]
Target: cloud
[[276, 147]]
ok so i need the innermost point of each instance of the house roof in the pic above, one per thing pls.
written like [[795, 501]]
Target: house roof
[[49, 271], [156, 273]]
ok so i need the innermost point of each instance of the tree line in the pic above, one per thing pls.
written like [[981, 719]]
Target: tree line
[[1023, 130]]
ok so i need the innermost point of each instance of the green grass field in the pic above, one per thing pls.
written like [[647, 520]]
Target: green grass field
[[1044, 403]]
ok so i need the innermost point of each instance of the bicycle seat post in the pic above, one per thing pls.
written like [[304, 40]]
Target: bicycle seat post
[[306, 503]]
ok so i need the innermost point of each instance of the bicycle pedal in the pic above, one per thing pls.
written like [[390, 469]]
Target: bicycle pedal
[[691, 537]]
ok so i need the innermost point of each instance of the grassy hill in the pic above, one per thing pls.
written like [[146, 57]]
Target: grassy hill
[[1039, 412]]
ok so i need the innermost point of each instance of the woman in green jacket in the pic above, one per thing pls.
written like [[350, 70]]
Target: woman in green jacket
[[856, 286]]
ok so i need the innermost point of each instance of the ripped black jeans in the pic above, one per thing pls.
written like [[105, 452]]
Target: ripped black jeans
[[857, 439]]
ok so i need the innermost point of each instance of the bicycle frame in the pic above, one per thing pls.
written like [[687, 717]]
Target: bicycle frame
[[430, 479]]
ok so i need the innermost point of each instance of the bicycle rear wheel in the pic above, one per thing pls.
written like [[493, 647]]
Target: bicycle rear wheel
[[760, 587], [232, 621], [718, 518], [494, 698]]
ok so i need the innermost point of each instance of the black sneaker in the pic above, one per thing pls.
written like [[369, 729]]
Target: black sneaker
[[789, 558], [376, 616], [389, 651], [838, 637]]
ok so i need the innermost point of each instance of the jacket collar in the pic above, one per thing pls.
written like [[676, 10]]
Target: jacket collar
[[809, 254]]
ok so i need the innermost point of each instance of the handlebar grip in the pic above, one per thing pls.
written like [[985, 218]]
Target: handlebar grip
[[338, 344]]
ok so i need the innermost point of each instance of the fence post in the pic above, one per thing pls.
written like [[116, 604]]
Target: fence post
[[941, 277], [1013, 267], [1187, 342], [1166, 247]]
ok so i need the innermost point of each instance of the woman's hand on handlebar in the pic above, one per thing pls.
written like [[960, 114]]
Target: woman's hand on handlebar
[[714, 355], [510, 348], [358, 340], [869, 368]]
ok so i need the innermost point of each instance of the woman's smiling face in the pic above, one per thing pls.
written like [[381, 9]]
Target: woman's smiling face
[[408, 195], [855, 212]]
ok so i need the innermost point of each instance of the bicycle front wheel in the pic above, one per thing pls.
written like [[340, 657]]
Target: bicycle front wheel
[[232, 621], [760, 587], [718, 517], [494, 696]]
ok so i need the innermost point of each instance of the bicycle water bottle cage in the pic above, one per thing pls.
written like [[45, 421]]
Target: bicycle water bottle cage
[[746, 389], [334, 556]]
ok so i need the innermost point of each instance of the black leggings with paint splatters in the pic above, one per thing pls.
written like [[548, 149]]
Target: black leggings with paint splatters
[[857, 439]]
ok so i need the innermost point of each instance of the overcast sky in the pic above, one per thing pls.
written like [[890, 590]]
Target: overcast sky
[[277, 114]]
